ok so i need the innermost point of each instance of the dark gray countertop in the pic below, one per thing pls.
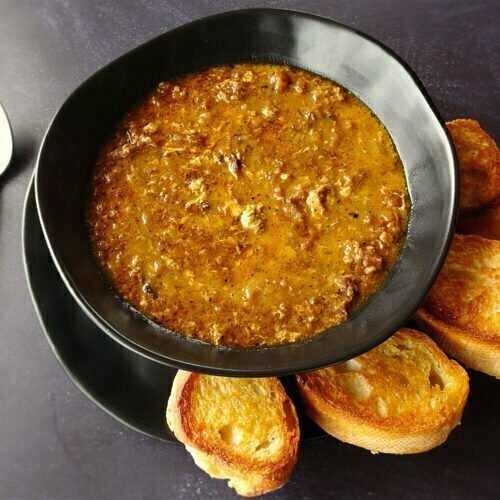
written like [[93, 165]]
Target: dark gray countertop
[[54, 442]]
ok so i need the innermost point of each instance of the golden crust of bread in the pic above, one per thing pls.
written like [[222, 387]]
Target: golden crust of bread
[[479, 164], [471, 351], [461, 311], [484, 222], [404, 396], [244, 430]]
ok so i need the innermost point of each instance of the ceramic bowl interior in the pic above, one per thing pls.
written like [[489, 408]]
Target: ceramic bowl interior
[[354, 60]]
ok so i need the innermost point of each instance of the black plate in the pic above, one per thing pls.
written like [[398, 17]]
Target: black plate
[[354, 60], [131, 388]]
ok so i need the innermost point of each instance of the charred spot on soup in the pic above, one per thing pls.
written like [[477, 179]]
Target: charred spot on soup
[[248, 205]]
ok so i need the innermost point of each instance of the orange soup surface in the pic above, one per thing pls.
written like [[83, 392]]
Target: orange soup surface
[[248, 205]]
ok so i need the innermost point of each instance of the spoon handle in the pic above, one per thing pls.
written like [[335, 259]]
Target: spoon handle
[[6, 141]]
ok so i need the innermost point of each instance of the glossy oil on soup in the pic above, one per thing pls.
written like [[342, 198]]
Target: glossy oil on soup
[[248, 205]]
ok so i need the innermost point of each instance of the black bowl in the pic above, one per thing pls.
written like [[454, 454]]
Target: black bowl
[[357, 62]]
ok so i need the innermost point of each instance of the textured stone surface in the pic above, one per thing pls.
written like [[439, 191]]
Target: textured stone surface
[[54, 442]]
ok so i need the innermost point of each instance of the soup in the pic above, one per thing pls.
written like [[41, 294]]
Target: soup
[[248, 205]]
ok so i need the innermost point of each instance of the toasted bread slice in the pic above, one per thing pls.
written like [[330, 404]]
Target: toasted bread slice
[[479, 164], [244, 430], [484, 222], [461, 311], [404, 396]]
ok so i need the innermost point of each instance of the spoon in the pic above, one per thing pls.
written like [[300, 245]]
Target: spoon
[[6, 142]]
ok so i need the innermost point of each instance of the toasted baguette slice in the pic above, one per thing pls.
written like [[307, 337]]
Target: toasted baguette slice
[[479, 164], [461, 311], [244, 430], [484, 222], [404, 396]]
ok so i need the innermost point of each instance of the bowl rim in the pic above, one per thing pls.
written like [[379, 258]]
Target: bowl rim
[[305, 366]]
